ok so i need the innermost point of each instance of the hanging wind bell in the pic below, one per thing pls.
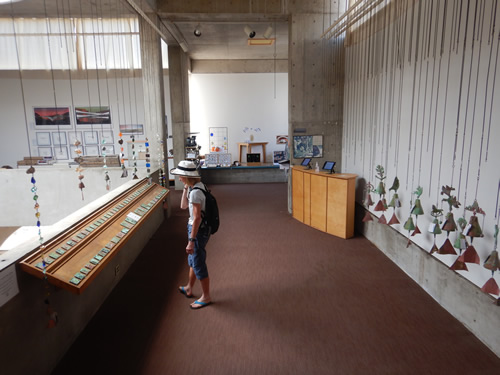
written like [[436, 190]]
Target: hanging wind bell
[[395, 202], [492, 263], [449, 224], [45, 260], [161, 160], [434, 227], [79, 169], [148, 163], [368, 202], [461, 244], [473, 229], [122, 156], [134, 158], [416, 210], [105, 166], [380, 190]]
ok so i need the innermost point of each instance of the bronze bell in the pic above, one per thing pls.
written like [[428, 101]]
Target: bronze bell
[[369, 201], [409, 225], [434, 228], [395, 202], [492, 263], [460, 242], [449, 224], [475, 230], [417, 208], [380, 190]]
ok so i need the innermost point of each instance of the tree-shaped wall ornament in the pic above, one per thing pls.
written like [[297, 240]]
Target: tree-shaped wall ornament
[[492, 263], [122, 156], [435, 227], [79, 169], [368, 202], [449, 224], [380, 190], [395, 202]]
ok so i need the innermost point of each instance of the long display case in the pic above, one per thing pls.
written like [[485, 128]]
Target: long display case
[[75, 257], [324, 201]]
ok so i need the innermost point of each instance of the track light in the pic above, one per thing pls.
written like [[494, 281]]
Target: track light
[[268, 32], [197, 31], [249, 32]]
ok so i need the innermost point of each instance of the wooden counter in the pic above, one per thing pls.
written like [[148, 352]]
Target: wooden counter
[[324, 201]]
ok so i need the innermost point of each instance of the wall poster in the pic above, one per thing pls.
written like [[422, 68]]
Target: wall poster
[[307, 146]]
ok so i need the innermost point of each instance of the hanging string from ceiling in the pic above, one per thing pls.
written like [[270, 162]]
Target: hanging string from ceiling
[[44, 259]]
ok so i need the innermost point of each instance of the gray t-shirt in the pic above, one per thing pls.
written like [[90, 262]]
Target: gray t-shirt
[[196, 196]]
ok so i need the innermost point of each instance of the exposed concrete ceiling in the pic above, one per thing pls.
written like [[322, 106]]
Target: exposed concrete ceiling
[[222, 34]]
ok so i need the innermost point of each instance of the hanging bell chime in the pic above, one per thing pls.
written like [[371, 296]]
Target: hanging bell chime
[[492, 263], [417, 208]]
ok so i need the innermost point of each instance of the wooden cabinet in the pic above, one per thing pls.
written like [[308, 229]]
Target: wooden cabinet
[[324, 201]]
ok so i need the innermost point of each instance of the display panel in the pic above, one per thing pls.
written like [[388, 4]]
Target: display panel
[[328, 166], [306, 162]]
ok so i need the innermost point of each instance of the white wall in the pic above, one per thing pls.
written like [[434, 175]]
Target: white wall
[[244, 103], [60, 190], [404, 117]]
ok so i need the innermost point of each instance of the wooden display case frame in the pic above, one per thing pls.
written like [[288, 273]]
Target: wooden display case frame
[[102, 234]]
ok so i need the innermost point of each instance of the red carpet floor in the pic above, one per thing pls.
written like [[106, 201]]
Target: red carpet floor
[[288, 299]]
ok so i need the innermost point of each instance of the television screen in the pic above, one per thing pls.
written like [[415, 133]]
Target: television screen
[[328, 166], [305, 162]]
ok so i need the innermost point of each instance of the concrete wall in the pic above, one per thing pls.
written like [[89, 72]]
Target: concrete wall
[[27, 346], [425, 118]]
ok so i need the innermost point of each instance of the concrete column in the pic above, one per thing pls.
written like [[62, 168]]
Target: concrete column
[[316, 81], [178, 63], [154, 99]]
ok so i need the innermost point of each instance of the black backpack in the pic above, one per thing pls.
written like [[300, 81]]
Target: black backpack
[[210, 217]]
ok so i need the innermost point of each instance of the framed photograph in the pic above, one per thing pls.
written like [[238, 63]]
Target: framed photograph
[[92, 115], [132, 128], [278, 156], [52, 116], [282, 139], [61, 153], [90, 138], [43, 139], [92, 150], [73, 136], [307, 146], [106, 135], [45, 151], [59, 138]]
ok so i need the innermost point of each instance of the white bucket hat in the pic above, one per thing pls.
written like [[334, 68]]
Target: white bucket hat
[[186, 168]]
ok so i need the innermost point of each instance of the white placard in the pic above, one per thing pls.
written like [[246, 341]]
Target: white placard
[[8, 284], [467, 229], [432, 226], [133, 216]]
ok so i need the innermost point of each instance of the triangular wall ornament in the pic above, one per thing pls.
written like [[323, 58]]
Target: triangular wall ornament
[[380, 206], [382, 219], [470, 255], [459, 265], [394, 220], [434, 249], [416, 231], [447, 248], [491, 287], [368, 217]]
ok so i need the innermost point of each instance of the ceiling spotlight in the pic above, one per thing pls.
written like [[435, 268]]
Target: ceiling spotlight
[[268, 32], [249, 31], [197, 31]]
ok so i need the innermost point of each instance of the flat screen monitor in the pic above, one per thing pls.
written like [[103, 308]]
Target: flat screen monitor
[[328, 166], [306, 162]]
